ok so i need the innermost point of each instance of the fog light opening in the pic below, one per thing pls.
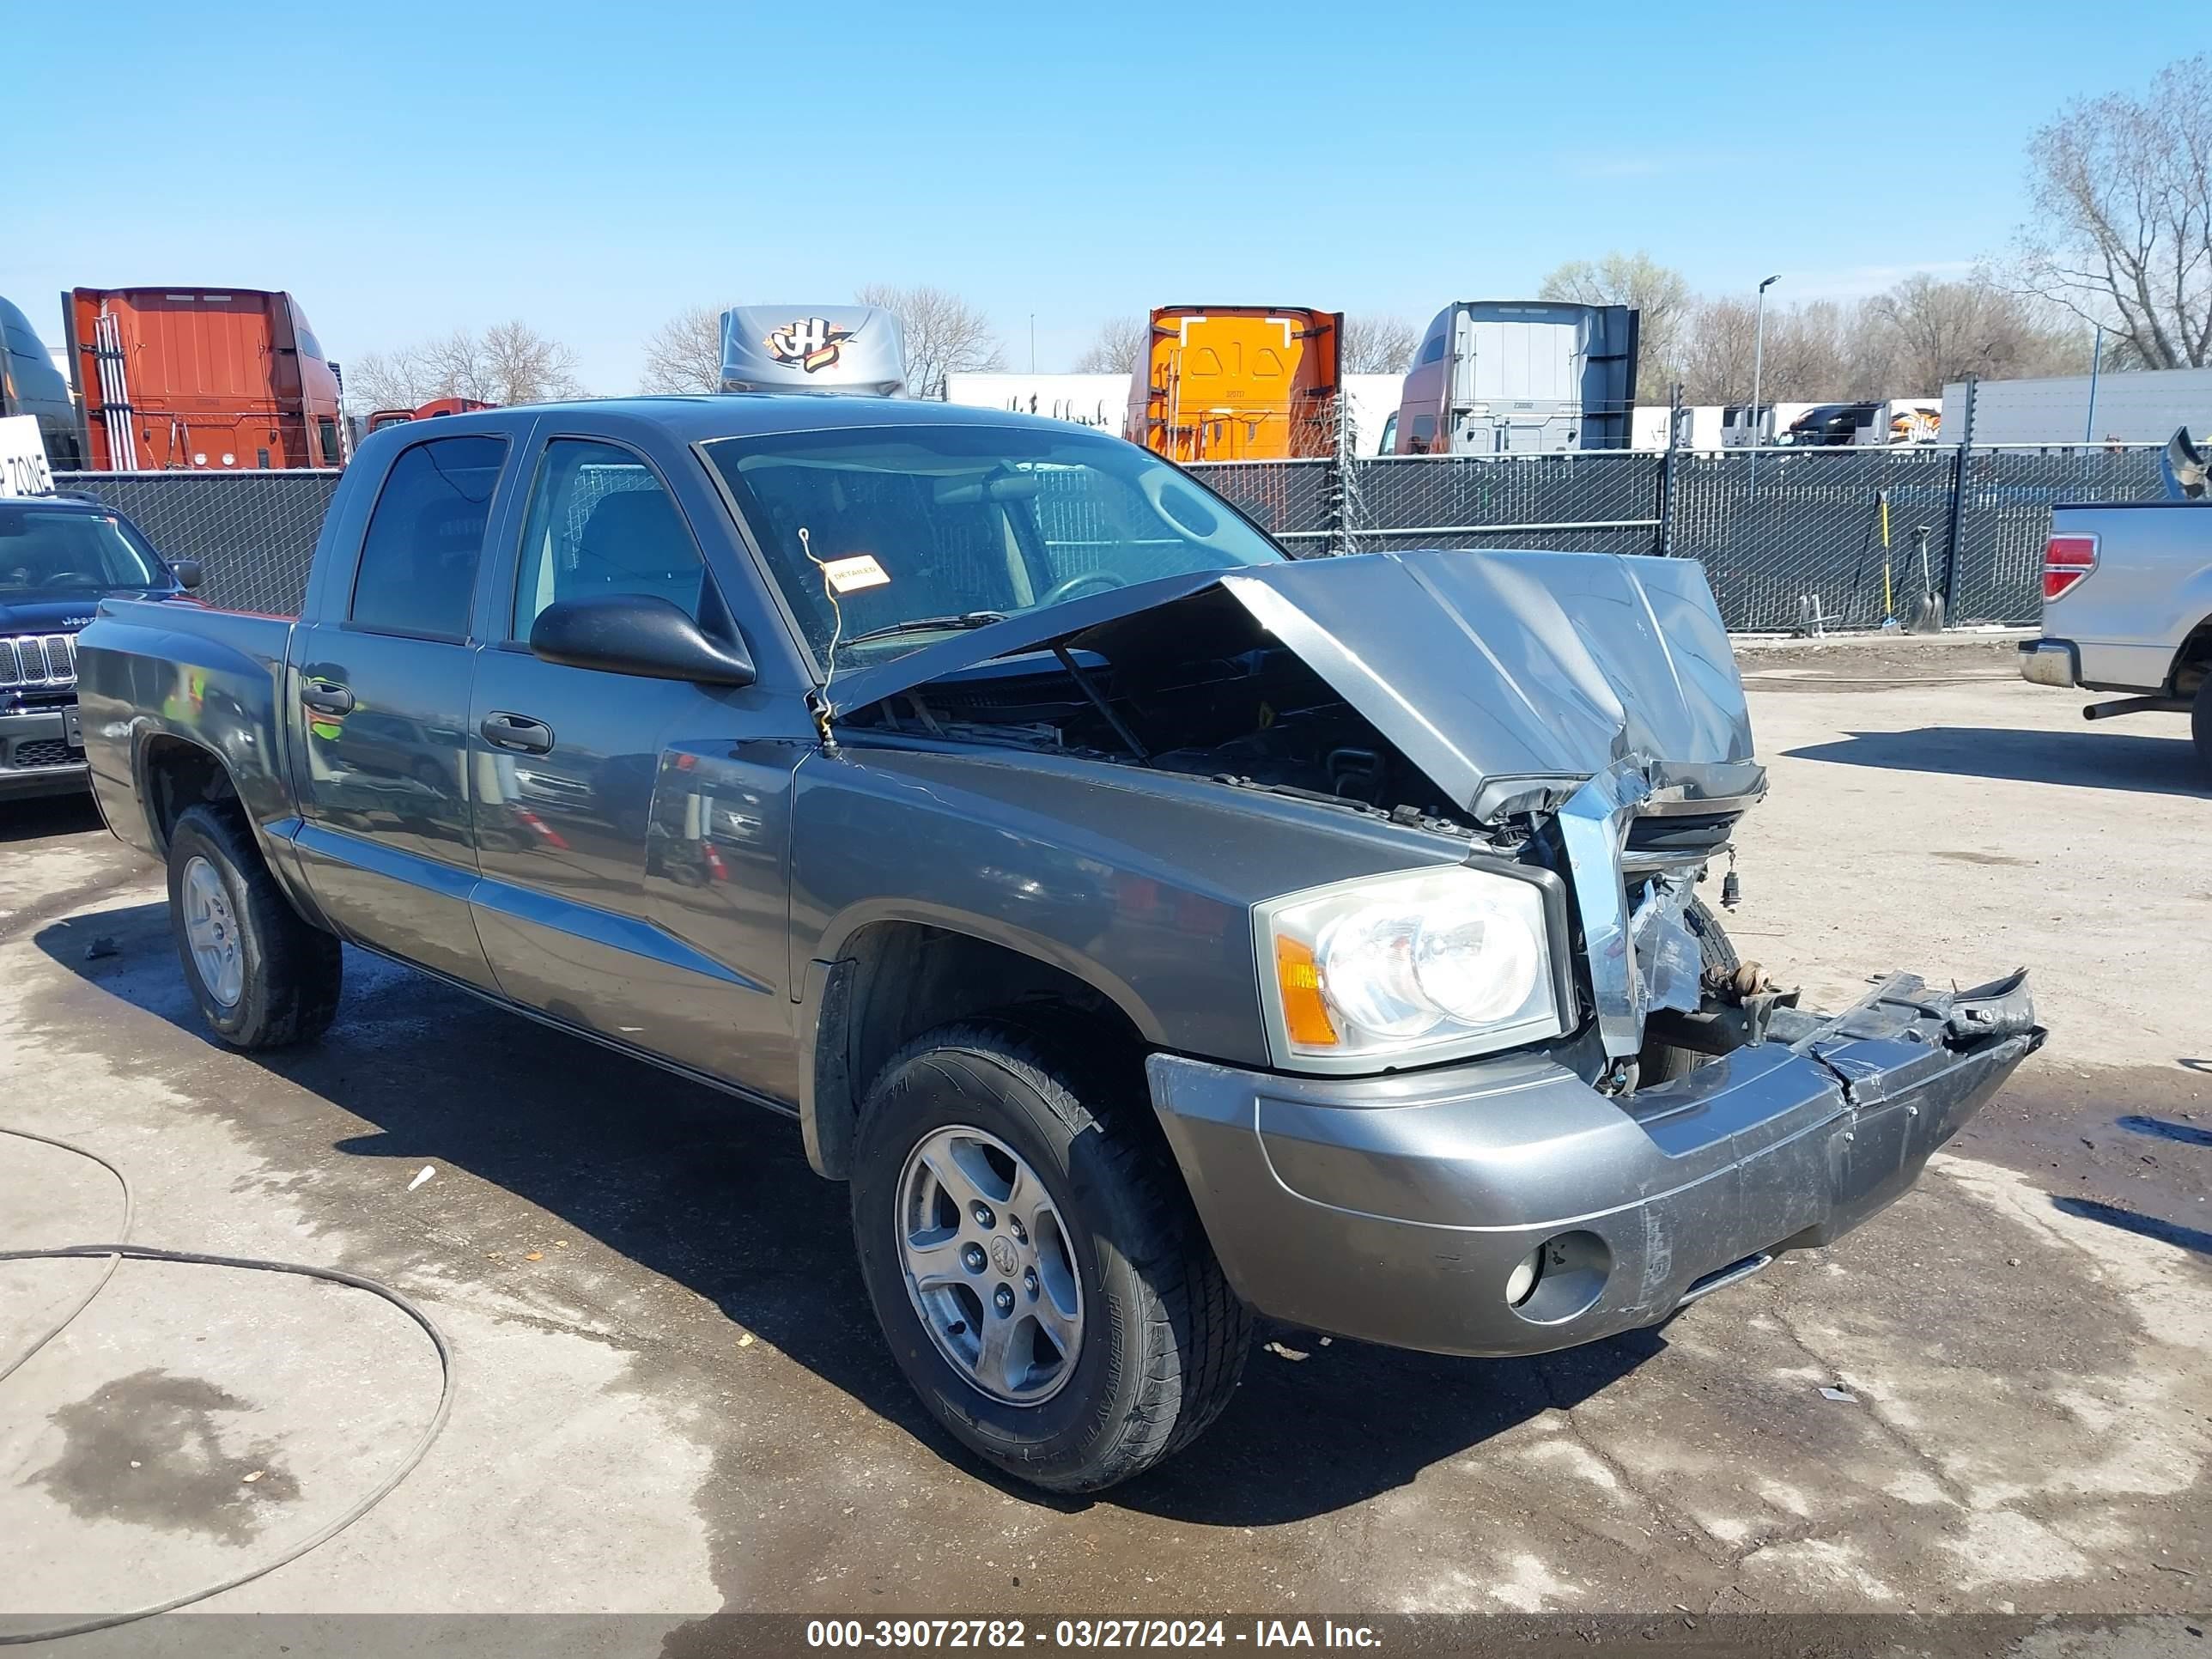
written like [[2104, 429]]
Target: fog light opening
[[1561, 1279], [1521, 1283]]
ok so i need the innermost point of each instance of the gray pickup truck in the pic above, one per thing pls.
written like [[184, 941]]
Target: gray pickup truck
[[1153, 930], [2127, 601]]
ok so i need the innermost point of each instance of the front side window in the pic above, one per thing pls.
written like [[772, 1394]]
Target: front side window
[[418, 561], [326, 432], [888, 537], [48, 550], [601, 523]]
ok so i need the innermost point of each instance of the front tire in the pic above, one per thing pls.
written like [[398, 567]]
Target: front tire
[[1034, 1259], [263, 977]]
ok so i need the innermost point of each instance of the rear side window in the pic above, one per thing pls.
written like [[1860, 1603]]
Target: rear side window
[[601, 522], [1434, 351], [418, 561]]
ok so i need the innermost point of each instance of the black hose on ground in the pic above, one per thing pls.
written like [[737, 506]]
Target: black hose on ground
[[116, 1254]]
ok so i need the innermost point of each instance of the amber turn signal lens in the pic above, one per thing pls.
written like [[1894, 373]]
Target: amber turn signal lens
[[1305, 1017]]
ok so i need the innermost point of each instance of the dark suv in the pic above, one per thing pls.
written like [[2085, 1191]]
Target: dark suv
[[59, 556]]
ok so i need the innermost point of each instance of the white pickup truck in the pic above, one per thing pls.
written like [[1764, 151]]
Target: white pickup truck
[[2127, 601]]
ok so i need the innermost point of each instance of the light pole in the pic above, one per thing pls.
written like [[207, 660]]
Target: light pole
[[2096, 362], [1758, 363]]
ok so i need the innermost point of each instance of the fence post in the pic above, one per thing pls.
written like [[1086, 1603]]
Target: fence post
[[1958, 510], [1335, 517], [1662, 538]]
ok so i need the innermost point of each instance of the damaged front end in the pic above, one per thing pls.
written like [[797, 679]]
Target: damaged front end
[[1673, 1120]]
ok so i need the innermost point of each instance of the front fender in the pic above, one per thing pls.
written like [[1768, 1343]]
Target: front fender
[[1139, 883]]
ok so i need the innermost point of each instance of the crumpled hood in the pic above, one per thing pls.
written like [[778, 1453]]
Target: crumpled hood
[[1503, 675]]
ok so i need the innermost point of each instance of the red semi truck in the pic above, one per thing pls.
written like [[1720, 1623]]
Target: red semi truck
[[200, 379]]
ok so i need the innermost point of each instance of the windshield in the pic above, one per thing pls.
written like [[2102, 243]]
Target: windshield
[[910, 532], [61, 550]]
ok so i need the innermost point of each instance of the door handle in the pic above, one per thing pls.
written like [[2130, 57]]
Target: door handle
[[326, 696], [518, 733]]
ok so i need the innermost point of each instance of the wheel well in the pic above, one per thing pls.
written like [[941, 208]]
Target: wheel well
[[178, 775], [897, 980], [2193, 662]]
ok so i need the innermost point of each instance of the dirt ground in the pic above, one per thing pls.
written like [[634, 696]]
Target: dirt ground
[[671, 1399]]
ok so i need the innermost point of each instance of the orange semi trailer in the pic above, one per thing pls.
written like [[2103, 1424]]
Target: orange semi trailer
[[1236, 383], [200, 379]]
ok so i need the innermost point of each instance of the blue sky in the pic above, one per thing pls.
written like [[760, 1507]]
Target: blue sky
[[592, 168]]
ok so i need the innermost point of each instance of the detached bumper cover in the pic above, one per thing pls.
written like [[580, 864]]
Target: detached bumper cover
[[1395, 1209]]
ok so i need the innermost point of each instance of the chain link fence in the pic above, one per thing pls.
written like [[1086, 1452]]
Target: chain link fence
[[252, 532], [1785, 536]]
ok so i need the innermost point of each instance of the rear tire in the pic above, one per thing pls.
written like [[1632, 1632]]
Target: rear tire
[[1663, 1062], [1159, 1339], [263, 978], [2200, 721]]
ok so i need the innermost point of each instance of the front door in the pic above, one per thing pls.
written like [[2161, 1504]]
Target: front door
[[585, 783], [383, 683]]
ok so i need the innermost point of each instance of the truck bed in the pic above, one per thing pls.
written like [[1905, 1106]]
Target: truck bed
[[149, 670]]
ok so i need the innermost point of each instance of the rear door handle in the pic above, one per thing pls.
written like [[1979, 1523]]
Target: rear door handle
[[326, 697], [516, 733]]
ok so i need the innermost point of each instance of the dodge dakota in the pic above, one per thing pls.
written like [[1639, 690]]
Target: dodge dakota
[[2127, 601], [1151, 930]]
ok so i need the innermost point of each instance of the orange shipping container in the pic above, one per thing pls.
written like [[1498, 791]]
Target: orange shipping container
[[201, 378], [1236, 383]]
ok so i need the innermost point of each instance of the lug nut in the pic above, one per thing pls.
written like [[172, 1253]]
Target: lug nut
[[1003, 1300], [971, 1258], [984, 1218], [1030, 1282], [1014, 1226]]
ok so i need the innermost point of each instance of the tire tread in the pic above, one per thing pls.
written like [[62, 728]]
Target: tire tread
[[302, 966], [1197, 1332]]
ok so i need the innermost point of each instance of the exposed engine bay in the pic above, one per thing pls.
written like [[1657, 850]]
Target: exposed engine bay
[[1200, 689]]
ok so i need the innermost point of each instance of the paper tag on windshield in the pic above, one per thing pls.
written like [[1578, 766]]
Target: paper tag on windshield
[[861, 570]]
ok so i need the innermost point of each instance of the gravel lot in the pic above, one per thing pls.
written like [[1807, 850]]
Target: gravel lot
[[671, 1399]]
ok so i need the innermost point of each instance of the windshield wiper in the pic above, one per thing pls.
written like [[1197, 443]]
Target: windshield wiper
[[930, 625]]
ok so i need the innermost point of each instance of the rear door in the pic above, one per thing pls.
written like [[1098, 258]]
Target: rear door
[[383, 677]]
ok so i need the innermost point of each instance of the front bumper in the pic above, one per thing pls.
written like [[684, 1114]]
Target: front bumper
[[38, 756], [2049, 662], [1395, 1209]]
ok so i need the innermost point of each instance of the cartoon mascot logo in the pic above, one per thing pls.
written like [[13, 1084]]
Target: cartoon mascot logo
[[812, 345]]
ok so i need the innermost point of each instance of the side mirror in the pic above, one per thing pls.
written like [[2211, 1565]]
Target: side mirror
[[636, 633], [187, 573]]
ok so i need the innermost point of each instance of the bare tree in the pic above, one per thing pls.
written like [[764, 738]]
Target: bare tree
[[507, 363], [521, 366], [1378, 345], [685, 353], [944, 335], [1926, 334], [1659, 293], [1809, 352], [1118, 348], [2122, 235], [390, 380], [1716, 350]]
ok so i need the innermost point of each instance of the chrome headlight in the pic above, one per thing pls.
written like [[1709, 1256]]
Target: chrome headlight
[[1407, 969]]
